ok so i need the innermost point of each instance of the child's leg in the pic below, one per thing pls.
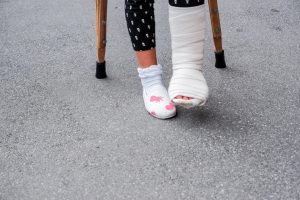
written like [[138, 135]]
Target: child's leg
[[141, 28], [185, 3], [187, 25]]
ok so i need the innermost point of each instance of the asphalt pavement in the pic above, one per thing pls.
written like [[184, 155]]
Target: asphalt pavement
[[66, 135]]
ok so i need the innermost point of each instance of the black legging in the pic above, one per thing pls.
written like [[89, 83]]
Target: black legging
[[141, 23]]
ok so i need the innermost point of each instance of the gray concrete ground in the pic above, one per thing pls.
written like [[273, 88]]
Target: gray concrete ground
[[66, 135]]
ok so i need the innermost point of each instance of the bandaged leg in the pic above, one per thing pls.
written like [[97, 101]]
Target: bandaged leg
[[187, 26], [155, 95]]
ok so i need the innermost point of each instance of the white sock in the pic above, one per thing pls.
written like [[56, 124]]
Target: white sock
[[156, 98], [187, 26]]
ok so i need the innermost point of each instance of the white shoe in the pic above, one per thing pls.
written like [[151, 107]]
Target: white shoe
[[156, 98], [187, 26]]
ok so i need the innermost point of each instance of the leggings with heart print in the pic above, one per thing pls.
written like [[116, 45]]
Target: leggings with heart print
[[141, 23]]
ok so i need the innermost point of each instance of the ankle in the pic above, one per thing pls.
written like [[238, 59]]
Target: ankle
[[151, 76]]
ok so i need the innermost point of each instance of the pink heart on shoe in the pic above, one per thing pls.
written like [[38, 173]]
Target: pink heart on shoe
[[170, 106], [156, 99], [153, 113]]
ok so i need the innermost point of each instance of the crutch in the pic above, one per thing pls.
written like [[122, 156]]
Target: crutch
[[101, 18], [217, 33]]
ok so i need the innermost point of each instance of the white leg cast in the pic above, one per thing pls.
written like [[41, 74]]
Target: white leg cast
[[187, 26]]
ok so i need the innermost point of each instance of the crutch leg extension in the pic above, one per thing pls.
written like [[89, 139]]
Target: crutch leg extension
[[217, 33], [101, 19]]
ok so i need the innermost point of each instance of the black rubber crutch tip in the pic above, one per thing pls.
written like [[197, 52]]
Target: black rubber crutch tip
[[100, 70], [220, 60]]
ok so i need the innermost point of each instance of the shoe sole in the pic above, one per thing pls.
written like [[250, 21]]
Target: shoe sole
[[159, 117]]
